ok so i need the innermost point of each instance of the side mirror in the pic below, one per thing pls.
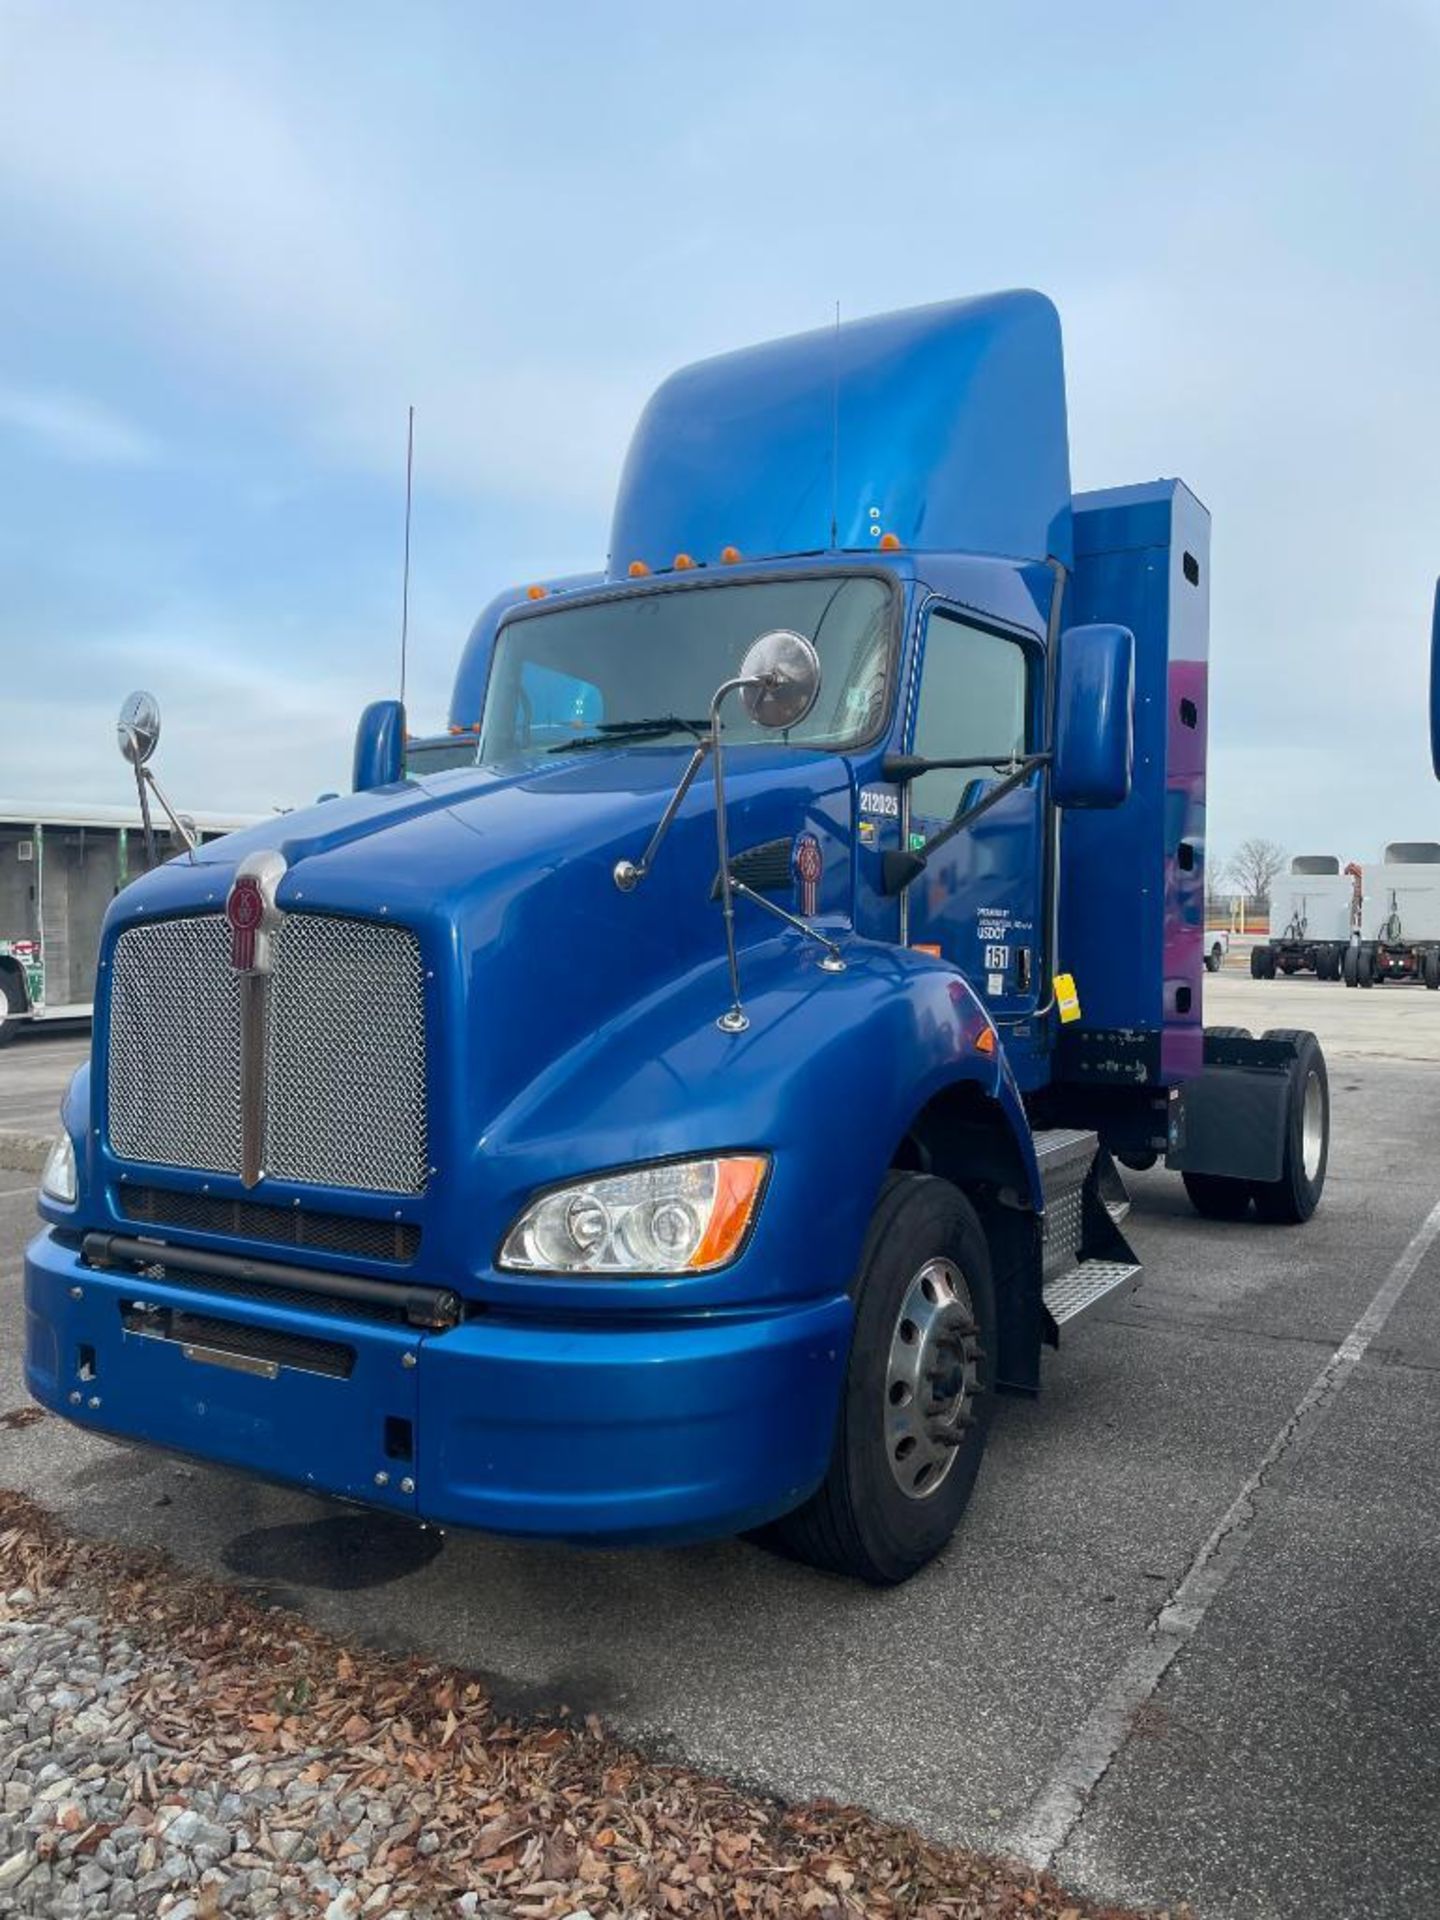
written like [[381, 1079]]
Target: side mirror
[[138, 728], [780, 679], [379, 746], [1435, 683], [1094, 717]]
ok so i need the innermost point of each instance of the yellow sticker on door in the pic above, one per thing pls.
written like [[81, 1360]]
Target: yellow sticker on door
[[1066, 998]]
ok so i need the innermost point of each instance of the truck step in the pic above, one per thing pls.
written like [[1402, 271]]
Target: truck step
[[1073, 1294]]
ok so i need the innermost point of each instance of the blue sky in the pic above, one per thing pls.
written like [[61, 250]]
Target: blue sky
[[237, 241]]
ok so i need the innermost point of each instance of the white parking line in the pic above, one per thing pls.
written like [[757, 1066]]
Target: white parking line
[[1060, 1805], [17, 1193]]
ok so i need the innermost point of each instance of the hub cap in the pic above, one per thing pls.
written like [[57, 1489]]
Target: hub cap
[[1312, 1126], [931, 1380]]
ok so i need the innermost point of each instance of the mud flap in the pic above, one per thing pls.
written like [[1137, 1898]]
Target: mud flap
[[1230, 1120]]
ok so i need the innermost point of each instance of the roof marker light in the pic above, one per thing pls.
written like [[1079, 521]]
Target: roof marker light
[[536, 593], [457, 729], [729, 556], [683, 563], [889, 543], [637, 569]]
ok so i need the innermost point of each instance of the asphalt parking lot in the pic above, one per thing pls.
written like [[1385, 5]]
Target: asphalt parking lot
[[1185, 1644]]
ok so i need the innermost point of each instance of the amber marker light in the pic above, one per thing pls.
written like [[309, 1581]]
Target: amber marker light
[[889, 543], [730, 556], [985, 1040], [536, 593], [457, 729], [683, 563], [737, 1191], [637, 569]]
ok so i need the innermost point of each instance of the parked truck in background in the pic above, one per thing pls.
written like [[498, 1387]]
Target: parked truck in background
[[1399, 935], [1311, 920], [60, 867], [687, 1113]]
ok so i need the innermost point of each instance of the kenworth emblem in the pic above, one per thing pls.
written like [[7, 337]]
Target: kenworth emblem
[[254, 919], [809, 865]]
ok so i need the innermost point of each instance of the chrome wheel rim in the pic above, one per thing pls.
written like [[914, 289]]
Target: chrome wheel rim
[[1312, 1127], [931, 1379]]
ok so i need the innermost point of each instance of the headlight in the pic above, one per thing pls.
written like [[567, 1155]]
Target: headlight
[[690, 1216], [57, 1177]]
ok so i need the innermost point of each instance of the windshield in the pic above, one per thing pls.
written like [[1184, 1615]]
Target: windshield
[[645, 666]]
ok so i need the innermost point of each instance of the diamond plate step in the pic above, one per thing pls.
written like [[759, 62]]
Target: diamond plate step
[[1072, 1294]]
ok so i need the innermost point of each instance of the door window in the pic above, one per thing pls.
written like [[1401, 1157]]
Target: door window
[[973, 702]]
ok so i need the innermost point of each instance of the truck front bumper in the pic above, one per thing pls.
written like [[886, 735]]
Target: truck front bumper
[[678, 1429]]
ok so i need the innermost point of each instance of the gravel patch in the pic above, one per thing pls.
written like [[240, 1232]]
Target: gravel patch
[[169, 1748]]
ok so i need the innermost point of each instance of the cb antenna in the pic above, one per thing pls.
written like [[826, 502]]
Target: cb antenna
[[405, 582], [835, 437]]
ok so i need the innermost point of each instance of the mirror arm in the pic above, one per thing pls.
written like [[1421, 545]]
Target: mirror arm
[[900, 767], [899, 869], [188, 840], [627, 874], [833, 961], [735, 1020]]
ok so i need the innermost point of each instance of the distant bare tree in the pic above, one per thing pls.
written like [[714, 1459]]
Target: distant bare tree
[[1252, 868]]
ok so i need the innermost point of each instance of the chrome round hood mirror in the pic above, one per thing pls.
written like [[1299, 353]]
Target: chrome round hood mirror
[[138, 728], [781, 679]]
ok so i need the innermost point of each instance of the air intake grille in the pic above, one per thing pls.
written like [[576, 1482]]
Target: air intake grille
[[346, 1052], [397, 1241]]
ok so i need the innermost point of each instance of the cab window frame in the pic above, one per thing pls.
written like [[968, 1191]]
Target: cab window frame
[[1031, 647]]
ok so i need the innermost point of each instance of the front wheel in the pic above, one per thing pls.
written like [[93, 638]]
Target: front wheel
[[1430, 968], [918, 1396]]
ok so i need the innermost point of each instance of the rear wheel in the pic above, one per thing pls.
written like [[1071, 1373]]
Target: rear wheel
[[1365, 967], [918, 1391], [1215, 958], [1430, 968], [1350, 965], [1296, 1194]]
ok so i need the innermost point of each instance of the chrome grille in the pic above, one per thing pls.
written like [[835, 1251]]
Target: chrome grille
[[345, 1062]]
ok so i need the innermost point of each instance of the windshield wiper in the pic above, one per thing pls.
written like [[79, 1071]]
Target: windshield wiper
[[608, 732]]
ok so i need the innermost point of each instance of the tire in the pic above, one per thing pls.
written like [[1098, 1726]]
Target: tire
[[864, 1520], [1295, 1195], [1365, 967], [1350, 966], [1140, 1161], [12, 1005], [1216, 1198], [1215, 959], [1258, 956], [1430, 968]]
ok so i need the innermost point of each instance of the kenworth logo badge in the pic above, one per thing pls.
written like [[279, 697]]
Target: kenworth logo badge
[[809, 865], [251, 910], [254, 919]]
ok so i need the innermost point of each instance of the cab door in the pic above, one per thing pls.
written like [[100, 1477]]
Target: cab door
[[978, 901]]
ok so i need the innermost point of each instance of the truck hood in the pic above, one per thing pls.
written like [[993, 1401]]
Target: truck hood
[[507, 878]]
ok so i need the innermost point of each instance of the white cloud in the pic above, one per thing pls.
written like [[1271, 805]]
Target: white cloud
[[70, 427]]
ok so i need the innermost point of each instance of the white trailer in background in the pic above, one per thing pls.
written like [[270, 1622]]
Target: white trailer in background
[[60, 867], [1312, 920], [1400, 918]]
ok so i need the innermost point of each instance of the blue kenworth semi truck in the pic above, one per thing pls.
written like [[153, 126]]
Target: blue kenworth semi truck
[[686, 1113]]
